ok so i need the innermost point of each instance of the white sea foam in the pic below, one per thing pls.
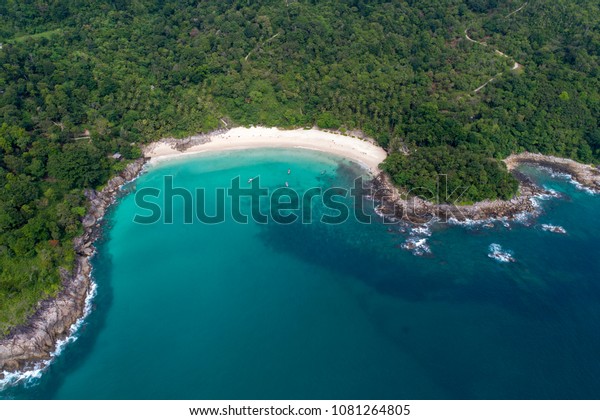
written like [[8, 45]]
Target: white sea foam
[[31, 376], [496, 252], [421, 230], [581, 187], [548, 194], [379, 212], [570, 179], [554, 228], [418, 246], [129, 183], [551, 193], [470, 223]]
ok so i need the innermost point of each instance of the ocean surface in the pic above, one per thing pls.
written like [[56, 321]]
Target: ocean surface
[[274, 311]]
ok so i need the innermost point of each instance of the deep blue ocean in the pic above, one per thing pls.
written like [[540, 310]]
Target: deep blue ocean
[[316, 311]]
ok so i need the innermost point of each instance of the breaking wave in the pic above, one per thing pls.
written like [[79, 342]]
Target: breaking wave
[[30, 377], [497, 253]]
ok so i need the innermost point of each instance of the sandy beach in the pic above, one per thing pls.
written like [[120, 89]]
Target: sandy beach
[[364, 152]]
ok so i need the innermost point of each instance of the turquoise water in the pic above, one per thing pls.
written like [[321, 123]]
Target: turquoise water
[[233, 311]]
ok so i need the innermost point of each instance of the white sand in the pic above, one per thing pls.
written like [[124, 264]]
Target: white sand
[[363, 152]]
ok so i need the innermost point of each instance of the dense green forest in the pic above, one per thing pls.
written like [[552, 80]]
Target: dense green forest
[[80, 81], [468, 177]]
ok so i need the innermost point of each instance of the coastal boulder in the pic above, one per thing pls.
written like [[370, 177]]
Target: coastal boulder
[[115, 183], [88, 221], [133, 169]]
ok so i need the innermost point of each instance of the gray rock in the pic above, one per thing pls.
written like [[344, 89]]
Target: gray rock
[[88, 221], [115, 183]]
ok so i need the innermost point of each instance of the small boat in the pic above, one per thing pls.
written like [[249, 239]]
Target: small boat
[[289, 171], [286, 184], [252, 179]]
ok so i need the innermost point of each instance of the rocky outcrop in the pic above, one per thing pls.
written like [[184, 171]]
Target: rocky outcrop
[[393, 204], [27, 346], [34, 342], [587, 176]]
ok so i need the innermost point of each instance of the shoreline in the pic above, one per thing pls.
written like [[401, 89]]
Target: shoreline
[[395, 205], [32, 346], [587, 176], [363, 151]]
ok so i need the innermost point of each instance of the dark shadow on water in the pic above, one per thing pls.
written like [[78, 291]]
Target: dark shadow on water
[[551, 334], [366, 254], [561, 312], [369, 254]]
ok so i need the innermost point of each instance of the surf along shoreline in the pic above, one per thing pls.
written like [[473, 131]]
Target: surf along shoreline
[[27, 350]]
